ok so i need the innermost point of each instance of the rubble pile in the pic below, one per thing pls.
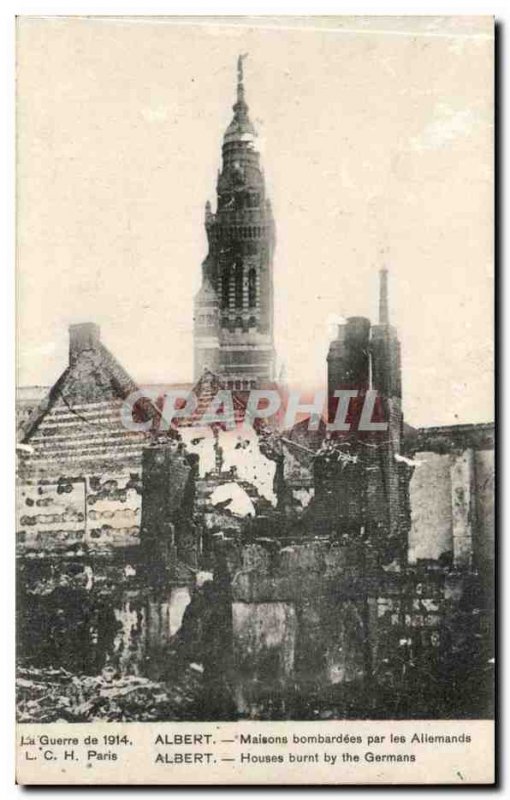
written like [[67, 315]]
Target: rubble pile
[[56, 695]]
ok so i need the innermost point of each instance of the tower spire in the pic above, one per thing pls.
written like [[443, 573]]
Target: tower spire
[[234, 313], [240, 77], [241, 128], [384, 314]]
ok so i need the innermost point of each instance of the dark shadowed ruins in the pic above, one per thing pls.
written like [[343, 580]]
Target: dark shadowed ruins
[[218, 572]]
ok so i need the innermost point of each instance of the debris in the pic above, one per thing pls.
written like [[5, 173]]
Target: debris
[[203, 577], [27, 449], [411, 462], [51, 695], [234, 499]]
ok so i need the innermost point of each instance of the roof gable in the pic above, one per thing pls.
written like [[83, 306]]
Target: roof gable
[[93, 376]]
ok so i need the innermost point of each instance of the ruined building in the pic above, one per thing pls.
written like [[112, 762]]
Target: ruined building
[[79, 467], [360, 484], [233, 319], [262, 573]]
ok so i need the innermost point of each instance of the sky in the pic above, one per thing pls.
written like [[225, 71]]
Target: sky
[[376, 135]]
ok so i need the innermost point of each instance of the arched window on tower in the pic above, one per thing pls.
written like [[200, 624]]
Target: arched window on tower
[[252, 288], [225, 289], [239, 284]]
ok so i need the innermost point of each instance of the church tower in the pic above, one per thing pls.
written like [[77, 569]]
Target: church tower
[[233, 320]]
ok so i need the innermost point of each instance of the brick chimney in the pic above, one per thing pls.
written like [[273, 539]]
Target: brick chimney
[[348, 361], [84, 336]]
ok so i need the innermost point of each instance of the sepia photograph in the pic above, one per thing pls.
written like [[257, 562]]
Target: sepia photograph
[[255, 370]]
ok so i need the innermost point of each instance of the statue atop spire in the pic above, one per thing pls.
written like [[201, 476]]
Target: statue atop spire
[[240, 59], [241, 128], [241, 103]]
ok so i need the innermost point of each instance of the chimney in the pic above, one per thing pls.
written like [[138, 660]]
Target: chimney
[[348, 360], [384, 313], [385, 347], [84, 336]]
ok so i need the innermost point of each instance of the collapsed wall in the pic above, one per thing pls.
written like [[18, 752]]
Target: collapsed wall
[[316, 634], [79, 468]]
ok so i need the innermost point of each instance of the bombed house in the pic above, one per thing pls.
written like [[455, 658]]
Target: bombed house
[[234, 570]]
